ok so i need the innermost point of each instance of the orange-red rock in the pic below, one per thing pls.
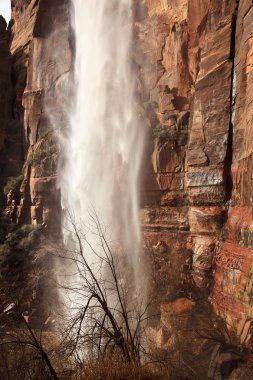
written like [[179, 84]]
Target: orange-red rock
[[41, 61], [195, 85]]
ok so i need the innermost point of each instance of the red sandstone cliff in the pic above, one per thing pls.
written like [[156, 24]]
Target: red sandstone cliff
[[195, 60], [196, 70], [41, 62]]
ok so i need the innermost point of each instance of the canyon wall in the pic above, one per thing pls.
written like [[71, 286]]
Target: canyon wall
[[41, 55], [195, 65], [233, 277], [195, 61]]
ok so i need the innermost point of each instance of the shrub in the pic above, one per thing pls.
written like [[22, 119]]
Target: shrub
[[17, 253], [12, 238], [29, 228], [4, 250], [45, 130], [36, 157], [23, 237], [12, 184], [41, 154]]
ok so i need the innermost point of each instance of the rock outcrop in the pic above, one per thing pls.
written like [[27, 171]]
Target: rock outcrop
[[233, 277], [5, 80], [195, 78], [195, 60], [41, 65], [10, 133]]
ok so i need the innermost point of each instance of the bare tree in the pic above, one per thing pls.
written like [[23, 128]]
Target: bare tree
[[106, 315], [107, 318], [22, 348]]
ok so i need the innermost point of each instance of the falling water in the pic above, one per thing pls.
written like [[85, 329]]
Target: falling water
[[104, 148]]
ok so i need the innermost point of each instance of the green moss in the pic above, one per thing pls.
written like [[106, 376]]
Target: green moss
[[44, 149], [12, 184], [37, 157], [45, 132], [159, 130]]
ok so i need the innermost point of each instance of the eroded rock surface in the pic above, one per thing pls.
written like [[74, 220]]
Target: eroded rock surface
[[10, 131], [233, 278], [195, 80], [41, 63], [195, 61]]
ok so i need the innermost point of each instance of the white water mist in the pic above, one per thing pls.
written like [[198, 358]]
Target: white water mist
[[104, 147]]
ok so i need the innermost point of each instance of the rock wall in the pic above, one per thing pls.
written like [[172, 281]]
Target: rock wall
[[233, 277], [41, 65], [10, 133], [5, 80], [195, 60], [195, 64]]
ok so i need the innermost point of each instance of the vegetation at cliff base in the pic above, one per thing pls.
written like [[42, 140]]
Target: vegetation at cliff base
[[12, 184], [17, 252], [103, 332]]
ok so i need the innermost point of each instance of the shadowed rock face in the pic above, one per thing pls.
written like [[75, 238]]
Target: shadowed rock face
[[10, 133], [5, 79], [41, 63], [195, 60]]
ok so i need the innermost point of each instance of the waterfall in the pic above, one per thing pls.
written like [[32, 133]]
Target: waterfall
[[104, 147]]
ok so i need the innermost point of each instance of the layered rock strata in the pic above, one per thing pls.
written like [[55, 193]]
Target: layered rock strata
[[195, 83], [196, 70], [182, 65], [10, 132], [233, 277], [41, 62]]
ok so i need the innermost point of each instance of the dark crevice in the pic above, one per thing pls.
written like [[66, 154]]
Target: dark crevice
[[229, 153]]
